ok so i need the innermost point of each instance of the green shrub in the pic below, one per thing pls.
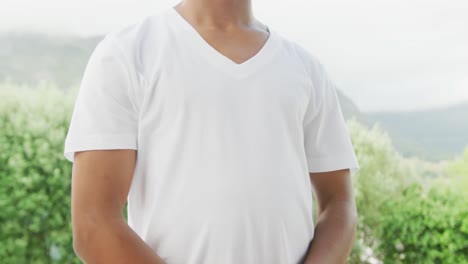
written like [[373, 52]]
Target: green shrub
[[34, 176], [383, 174], [424, 226], [457, 172]]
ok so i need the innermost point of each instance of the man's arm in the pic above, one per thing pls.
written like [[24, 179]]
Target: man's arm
[[101, 181], [336, 224]]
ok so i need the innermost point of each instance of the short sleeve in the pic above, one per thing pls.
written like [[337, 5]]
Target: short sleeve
[[327, 141], [104, 114]]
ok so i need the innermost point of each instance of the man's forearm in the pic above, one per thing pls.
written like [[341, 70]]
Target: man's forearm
[[113, 242], [334, 234]]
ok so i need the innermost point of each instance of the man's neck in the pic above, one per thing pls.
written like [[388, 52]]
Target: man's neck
[[218, 14]]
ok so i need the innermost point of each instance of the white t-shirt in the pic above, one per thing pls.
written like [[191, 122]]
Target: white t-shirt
[[224, 149]]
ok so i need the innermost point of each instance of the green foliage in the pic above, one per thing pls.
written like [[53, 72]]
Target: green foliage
[[424, 227], [382, 175], [34, 176], [397, 207], [457, 172]]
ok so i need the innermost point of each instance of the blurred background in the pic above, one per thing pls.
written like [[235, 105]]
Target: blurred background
[[402, 72]]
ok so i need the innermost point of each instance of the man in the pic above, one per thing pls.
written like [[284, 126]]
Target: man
[[216, 129]]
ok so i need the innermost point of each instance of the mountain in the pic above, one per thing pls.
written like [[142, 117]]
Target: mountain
[[29, 58], [349, 108], [433, 134]]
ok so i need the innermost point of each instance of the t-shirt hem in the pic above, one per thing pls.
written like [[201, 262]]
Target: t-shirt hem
[[99, 142], [332, 164]]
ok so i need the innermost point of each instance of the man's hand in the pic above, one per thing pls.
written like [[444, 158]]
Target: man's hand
[[336, 224], [101, 181]]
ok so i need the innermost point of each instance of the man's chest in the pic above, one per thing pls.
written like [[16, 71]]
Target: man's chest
[[190, 85]]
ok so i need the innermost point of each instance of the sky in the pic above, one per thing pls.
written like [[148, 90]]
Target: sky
[[385, 55]]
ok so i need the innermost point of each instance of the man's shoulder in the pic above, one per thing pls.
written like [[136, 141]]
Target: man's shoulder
[[318, 74], [304, 55], [137, 41], [133, 35]]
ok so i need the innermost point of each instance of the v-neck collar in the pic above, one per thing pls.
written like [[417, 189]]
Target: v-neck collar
[[239, 70]]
